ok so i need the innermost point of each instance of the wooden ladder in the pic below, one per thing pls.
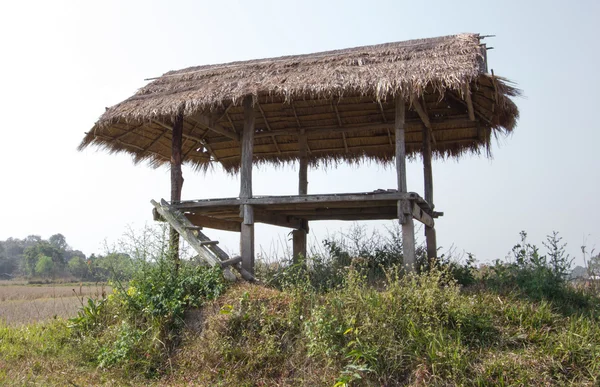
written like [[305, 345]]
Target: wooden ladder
[[207, 249]]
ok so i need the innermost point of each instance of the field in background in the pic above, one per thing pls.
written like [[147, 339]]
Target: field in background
[[21, 303]]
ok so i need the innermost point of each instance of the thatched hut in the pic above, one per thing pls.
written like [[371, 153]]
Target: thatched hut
[[432, 97]]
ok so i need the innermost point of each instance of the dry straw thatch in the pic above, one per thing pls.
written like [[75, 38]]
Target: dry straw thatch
[[343, 100]]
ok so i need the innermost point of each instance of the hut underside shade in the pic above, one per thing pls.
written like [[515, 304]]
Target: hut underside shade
[[317, 109]]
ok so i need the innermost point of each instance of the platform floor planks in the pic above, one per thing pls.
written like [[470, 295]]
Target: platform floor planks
[[287, 211]]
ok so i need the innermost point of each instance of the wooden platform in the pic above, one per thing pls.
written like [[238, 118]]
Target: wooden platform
[[291, 211]]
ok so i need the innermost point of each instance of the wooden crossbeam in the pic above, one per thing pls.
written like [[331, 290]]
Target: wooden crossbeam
[[262, 112], [127, 132], [469, 101], [409, 126], [337, 114], [298, 199], [184, 135], [389, 132], [155, 140], [206, 123], [231, 122], [423, 115], [299, 125]]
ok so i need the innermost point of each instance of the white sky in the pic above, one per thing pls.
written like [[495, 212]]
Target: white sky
[[64, 61]]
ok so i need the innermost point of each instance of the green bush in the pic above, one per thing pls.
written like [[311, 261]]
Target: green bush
[[137, 326]]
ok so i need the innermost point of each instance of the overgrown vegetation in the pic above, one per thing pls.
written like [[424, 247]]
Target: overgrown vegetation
[[348, 316]]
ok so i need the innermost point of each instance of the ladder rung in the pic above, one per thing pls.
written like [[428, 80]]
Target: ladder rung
[[204, 243], [193, 227]]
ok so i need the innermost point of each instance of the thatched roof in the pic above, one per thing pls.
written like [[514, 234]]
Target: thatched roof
[[343, 99]]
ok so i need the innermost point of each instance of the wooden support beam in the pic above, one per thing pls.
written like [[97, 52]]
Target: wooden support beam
[[247, 227], [427, 167], [277, 220], [303, 163], [176, 181], [422, 216], [205, 122], [212, 222], [247, 150], [404, 206], [247, 240], [430, 236], [400, 145], [298, 245], [299, 235], [431, 242], [262, 112], [469, 101]]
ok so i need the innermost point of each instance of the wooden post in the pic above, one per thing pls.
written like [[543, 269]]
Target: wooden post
[[176, 181], [247, 227], [299, 236], [430, 238], [404, 206]]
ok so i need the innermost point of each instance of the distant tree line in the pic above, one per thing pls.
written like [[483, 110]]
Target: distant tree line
[[34, 257]]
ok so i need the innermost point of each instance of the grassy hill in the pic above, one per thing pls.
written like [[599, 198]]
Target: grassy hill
[[333, 321]]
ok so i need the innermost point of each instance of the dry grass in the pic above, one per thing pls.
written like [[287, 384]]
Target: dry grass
[[25, 304]]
